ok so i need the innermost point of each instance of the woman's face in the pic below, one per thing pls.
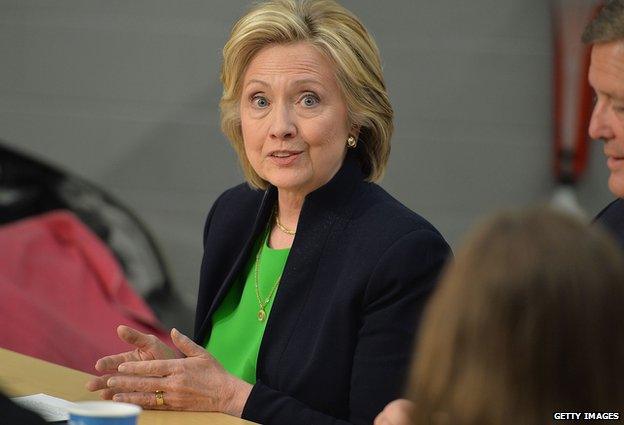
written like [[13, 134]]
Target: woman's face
[[293, 117]]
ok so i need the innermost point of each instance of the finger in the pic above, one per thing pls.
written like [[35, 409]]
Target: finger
[[136, 383], [110, 363], [109, 393], [403, 404], [382, 420], [397, 412], [97, 383], [146, 400], [100, 383], [186, 345], [134, 337], [150, 367]]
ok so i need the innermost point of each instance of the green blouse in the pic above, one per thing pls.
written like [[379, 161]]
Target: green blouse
[[236, 328]]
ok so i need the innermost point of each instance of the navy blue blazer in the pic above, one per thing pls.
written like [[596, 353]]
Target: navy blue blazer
[[337, 344], [612, 218]]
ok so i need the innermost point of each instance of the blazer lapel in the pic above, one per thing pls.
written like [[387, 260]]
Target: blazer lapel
[[322, 210], [266, 206]]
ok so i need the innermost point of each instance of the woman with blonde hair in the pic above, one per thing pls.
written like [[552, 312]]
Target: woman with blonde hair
[[313, 277], [527, 323]]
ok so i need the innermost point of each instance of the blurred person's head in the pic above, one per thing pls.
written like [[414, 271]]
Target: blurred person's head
[[275, 50], [526, 322], [606, 76]]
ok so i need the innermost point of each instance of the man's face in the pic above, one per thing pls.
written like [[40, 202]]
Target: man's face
[[606, 76]]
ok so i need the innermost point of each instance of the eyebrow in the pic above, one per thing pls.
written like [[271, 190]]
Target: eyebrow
[[307, 81], [257, 82], [611, 92], [614, 95], [295, 83]]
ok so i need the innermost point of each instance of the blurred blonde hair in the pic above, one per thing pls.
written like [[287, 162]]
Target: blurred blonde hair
[[339, 35], [527, 322]]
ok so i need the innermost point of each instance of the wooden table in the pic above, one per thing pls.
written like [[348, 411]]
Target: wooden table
[[23, 375]]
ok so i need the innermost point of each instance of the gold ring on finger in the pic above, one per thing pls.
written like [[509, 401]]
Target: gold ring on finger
[[160, 397]]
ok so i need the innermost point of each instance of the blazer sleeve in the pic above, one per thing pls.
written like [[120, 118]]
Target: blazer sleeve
[[398, 288]]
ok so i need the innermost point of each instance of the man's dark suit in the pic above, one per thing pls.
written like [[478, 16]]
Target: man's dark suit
[[338, 340], [612, 218]]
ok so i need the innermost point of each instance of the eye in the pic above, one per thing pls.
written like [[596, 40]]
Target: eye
[[309, 100], [260, 101]]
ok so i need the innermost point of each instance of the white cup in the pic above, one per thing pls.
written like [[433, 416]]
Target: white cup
[[103, 413]]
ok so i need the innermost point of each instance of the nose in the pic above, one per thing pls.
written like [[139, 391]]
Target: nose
[[283, 126], [599, 124]]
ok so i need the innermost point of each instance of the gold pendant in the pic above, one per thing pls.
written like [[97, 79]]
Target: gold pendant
[[261, 315]]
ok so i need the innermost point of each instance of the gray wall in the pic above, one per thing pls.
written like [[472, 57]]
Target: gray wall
[[125, 93]]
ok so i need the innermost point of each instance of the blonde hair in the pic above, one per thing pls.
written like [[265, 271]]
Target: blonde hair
[[339, 35], [527, 322]]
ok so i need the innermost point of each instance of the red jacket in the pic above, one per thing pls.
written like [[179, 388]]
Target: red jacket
[[62, 293]]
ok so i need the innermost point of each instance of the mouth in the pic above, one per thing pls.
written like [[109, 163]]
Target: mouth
[[284, 157], [615, 162]]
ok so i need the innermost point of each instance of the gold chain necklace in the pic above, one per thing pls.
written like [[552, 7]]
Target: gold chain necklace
[[281, 226], [263, 303]]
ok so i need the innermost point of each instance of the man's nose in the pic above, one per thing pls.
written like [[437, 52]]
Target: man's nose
[[599, 124]]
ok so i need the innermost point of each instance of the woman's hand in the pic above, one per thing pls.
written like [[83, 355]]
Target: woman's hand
[[397, 412], [148, 347], [196, 382]]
